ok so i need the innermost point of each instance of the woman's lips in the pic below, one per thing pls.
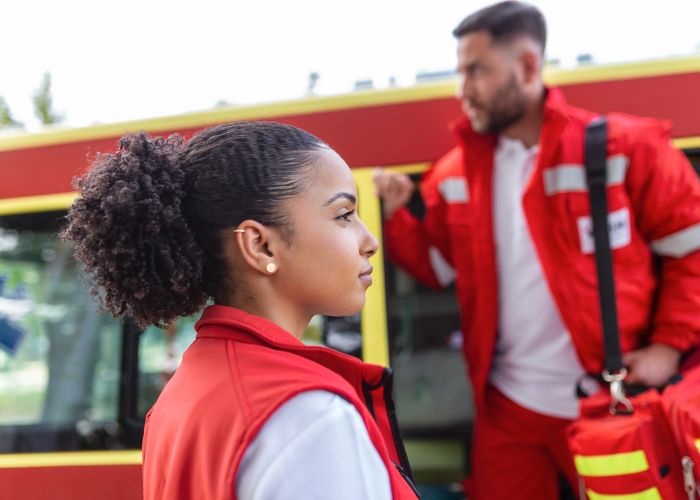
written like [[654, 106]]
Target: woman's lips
[[366, 277]]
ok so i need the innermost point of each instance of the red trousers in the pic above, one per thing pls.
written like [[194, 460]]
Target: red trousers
[[517, 453]]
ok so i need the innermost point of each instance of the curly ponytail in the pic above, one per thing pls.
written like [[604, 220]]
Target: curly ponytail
[[148, 222], [130, 234]]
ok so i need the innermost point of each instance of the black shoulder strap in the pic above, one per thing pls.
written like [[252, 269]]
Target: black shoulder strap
[[596, 175]]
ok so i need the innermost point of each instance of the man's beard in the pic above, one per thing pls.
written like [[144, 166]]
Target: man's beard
[[508, 107]]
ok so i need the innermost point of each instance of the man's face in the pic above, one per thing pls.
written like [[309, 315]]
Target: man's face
[[490, 89]]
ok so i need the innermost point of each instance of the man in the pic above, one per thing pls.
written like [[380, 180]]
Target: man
[[507, 213]]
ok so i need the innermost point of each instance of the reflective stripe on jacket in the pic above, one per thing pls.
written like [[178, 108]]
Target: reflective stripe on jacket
[[654, 205], [238, 371]]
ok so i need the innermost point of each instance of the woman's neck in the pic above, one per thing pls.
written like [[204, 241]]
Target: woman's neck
[[272, 308]]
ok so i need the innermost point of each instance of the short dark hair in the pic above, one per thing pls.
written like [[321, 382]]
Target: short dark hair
[[149, 220], [505, 21]]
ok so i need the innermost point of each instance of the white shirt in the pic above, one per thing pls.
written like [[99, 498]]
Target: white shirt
[[535, 363], [315, 447]]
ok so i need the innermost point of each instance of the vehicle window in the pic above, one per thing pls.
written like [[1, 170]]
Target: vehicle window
[[59, 355], [160, 353]]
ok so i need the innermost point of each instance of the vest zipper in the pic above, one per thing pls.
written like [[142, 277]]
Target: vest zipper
[[407, 478], [386, 384]]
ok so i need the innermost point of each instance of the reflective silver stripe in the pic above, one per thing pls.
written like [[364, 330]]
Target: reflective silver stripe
[[617, 169], [454, 190], [678, 244], [444, 272], [564, 178], [571, 177]]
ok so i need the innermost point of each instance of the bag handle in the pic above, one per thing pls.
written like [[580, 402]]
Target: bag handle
[[595, 154]]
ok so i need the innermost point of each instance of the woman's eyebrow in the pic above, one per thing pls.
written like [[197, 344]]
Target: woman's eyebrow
[[347, 196]]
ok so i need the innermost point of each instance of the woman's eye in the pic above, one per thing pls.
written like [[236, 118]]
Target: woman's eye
[[346, 216]]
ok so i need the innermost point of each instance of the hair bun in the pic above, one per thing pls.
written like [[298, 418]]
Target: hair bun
[[130, 234]]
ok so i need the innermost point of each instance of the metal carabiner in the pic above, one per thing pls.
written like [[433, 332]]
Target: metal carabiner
[[619, 404]]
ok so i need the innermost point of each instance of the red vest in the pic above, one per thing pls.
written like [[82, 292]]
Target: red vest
[[238, 371]]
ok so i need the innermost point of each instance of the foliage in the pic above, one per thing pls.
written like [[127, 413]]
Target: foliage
[[43, 103], [6, 118]]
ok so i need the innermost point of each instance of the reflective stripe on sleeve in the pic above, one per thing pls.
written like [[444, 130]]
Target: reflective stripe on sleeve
[[571, 177], [678, 244], [444, 272], [454, 190], [615, 464], [650, 494]]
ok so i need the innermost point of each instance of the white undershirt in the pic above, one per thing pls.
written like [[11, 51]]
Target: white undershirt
[[316, 447], [535, 364]]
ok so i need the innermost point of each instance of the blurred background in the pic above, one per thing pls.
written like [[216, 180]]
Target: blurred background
[[126, 60], [374, 79]]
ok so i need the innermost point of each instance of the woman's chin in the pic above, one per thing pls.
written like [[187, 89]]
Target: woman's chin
[[349, 309]]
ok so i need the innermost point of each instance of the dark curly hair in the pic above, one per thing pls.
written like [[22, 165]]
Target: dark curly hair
[[148, 222]]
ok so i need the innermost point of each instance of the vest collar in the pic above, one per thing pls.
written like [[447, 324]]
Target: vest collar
[[229, 323], [239, 322]]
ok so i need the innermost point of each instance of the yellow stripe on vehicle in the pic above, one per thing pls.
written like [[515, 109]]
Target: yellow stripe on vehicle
[[32, 204], [409, 168], [687, 142], [61, 201], [70, 459], [650, 494], [375, 340], [425, 91], [280, 109], [616, 464], [697, 445], [621, 71]]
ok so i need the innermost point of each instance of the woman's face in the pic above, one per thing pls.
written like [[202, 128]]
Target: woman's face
[[326, 268]]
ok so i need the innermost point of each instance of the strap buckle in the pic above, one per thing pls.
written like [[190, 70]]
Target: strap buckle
[[619, 404]]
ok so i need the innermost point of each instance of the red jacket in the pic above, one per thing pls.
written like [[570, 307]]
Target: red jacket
[[238, 371], [654, 202]]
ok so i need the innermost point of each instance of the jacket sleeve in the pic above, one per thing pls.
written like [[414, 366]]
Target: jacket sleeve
[[421, 247], [665, 194]]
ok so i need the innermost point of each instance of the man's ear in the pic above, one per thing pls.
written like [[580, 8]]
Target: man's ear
[[530, 62], [257, 244]]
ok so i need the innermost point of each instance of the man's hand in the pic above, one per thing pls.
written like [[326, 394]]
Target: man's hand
[[653, 365], [393, 188]]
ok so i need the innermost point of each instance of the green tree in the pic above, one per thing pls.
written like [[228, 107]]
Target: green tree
[[43, 103], [6, 118]]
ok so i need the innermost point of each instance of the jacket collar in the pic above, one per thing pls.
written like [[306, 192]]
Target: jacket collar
[[554, 119]]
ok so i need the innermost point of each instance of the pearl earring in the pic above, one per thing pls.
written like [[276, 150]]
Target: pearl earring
[[271, 267]]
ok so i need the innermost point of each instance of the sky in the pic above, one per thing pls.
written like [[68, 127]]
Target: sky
[[116, 61]]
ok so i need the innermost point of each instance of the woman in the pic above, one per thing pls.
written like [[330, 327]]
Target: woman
[[259, 218]]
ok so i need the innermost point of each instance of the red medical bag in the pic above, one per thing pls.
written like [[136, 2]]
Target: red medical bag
[[640, 447]]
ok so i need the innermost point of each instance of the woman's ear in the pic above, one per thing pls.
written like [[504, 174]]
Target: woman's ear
[[256, 244]]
